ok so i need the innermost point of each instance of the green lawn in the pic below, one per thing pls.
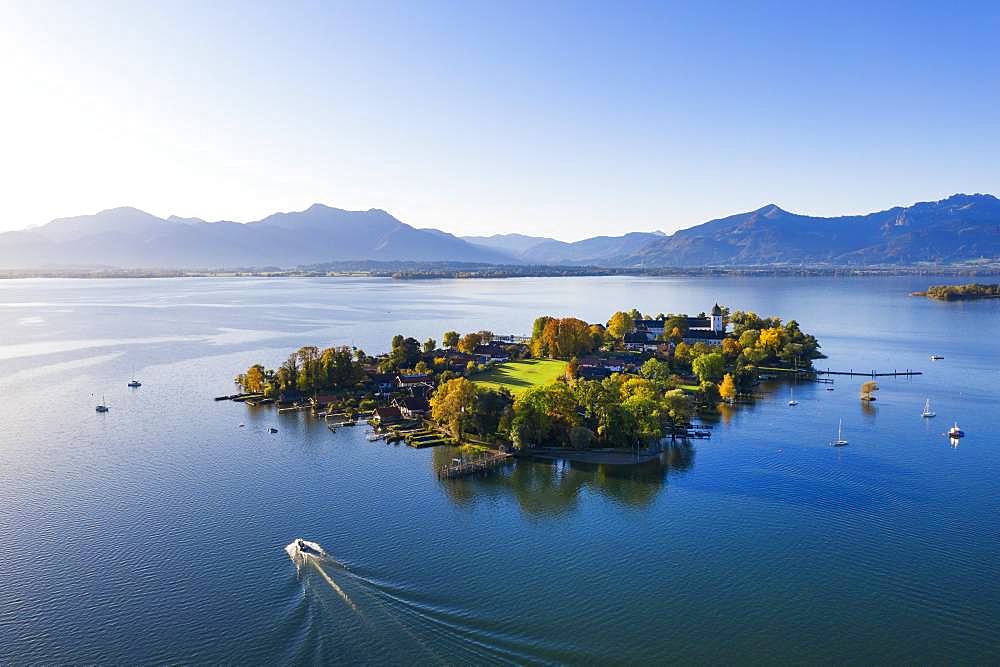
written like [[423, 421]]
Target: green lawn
[[520, 375]]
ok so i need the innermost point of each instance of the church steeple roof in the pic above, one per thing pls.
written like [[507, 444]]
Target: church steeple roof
[[716, 310]]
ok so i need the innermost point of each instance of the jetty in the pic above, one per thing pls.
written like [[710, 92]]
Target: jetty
[[471, 466], [872, 373]]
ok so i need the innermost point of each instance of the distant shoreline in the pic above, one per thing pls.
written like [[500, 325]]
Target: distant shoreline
[[437, 271]]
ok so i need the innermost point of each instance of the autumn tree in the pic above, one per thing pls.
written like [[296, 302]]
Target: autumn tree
[[429, 346], [470, 342], [731, 348], [450, 339], [563, 338], [621, 323], [253, 379], [453, 404], [682, 354], [867, 389], [727, 390]]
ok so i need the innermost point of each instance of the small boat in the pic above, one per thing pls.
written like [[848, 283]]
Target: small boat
[[927, 410], [272, 430], [956, 432], [373, 436], [306, 548], [102, 406], [829, 388], [242, 425], [936, 357], [300, 549], [839, 442], [793, 402]]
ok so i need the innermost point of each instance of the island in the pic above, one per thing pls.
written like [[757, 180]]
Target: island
[[961, 292], [612, 391]]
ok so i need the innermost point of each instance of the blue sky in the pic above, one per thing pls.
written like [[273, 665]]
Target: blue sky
[[560, 119]]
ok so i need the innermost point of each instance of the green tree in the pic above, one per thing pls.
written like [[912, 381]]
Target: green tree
[[657, 371], [543, 415], [678, 407], [450, 339], [709, 367], [405, 352], [491, 407], [430, 345]]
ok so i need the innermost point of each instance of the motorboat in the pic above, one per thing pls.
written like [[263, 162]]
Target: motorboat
[[927, 410], [307, 548], [839, 442], [272, 430], [134, 383], [299, 549], [936, 357], [956, 432]]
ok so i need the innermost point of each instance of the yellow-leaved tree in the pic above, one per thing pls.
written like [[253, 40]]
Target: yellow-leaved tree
[[454, 405], [727, 390]]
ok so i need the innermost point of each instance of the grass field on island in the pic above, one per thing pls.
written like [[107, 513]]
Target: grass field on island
[[518, 376]]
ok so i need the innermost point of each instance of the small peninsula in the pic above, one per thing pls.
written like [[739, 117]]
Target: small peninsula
[[967, 292]]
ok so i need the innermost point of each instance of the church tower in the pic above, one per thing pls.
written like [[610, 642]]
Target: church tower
[[716, 320]]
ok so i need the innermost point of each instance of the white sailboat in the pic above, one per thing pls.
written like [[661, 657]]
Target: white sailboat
[[840, 442], [792, 402], [927, 410], [102, 406]]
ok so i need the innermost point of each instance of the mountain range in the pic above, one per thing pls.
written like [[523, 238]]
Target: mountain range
[[957, 229]]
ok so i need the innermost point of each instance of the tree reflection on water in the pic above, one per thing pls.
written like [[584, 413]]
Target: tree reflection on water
[[548, 488]]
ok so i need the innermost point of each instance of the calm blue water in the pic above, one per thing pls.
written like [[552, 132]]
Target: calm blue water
[[156, 532]]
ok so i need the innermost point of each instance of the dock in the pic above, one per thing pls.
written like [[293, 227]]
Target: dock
[[872, 373], [463, 467]]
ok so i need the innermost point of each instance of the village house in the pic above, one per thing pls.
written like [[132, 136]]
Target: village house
[[383, 382], [323, 400], [640, 341], [492, 353], [415, 383], [586, 372], [652, 327], [387, 416], [412, 407]]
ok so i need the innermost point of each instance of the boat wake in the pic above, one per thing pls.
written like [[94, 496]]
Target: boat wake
[[438, 632], [302, 552]]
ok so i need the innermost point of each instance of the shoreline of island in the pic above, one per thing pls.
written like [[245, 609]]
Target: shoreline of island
[[610, 392], [967, 292]]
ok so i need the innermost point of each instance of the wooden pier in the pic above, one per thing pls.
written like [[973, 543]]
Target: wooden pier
[[872, 373], [463, 467]]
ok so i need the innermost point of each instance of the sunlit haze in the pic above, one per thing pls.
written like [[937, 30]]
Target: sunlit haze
[[564, 120]]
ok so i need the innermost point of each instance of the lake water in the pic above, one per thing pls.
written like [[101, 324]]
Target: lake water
[[155, 532]]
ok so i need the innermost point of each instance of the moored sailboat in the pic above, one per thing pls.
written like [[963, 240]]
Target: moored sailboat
[[839, 442]]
